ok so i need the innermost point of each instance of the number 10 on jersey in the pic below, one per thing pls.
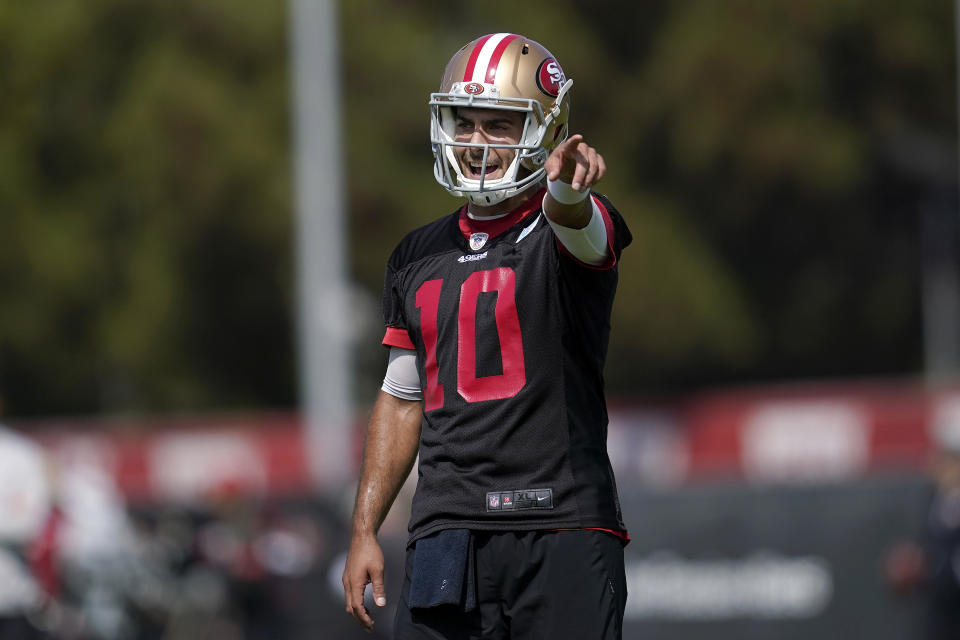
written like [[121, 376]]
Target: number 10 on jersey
[[471, 388]]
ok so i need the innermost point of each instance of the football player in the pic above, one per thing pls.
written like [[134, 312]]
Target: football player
[[497, 318]]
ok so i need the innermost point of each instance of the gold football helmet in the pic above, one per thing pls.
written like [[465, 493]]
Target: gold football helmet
[[500, 71]]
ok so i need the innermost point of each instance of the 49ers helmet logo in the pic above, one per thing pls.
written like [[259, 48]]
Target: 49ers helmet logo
[[473, 88], [550, 77]]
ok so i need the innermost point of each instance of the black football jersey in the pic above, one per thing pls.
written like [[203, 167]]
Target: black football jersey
[[511, 335]]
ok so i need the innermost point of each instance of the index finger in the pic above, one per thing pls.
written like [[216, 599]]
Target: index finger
[[569, 146], [563, 156]]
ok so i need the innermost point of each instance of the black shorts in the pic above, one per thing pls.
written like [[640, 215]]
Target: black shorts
[[554, 585]]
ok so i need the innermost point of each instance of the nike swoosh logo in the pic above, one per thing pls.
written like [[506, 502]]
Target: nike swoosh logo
[[542, 497]]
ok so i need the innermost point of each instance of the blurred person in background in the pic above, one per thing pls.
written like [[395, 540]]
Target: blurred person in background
[[260, 552], [25, 506], [497, 319], [931, 566], [101, 563]]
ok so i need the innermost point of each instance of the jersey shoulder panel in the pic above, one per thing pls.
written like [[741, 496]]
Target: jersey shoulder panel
[[622, 236], [435, 237]]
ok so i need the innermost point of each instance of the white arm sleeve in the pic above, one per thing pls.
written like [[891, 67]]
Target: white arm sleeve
[[401, 379], [588, 245]]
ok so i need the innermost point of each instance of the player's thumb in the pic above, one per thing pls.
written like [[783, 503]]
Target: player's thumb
[[379, 593]]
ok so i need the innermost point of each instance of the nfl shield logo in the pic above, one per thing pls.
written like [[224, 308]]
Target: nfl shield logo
[[495, 502], [477, 240]]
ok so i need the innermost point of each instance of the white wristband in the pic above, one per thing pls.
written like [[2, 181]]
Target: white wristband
[[563, 193]]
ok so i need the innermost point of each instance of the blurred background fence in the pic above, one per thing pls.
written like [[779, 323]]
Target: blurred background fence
[[783, 362]]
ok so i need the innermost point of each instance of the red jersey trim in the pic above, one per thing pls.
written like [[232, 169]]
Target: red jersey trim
[[496, 227], [397, 337], [611, 255]]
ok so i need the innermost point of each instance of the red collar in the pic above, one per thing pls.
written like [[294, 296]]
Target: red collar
[[494, 228]]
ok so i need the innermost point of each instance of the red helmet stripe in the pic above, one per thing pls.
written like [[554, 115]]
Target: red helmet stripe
[[495, 58], [472, 60]]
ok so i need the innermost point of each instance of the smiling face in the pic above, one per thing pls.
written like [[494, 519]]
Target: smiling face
[[486, 126]]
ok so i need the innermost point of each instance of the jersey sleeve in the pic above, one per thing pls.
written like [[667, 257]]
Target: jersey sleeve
[[618, 235], [589, 244], [397, 333]]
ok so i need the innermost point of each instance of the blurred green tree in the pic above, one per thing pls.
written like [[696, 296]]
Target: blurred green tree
[[145, 206], [781, 133], [771, 158]]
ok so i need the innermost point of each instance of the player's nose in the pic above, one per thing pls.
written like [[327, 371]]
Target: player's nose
[[476, 153]]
